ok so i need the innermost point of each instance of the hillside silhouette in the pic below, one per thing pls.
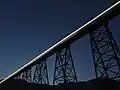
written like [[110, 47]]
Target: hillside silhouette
[[101, 84]]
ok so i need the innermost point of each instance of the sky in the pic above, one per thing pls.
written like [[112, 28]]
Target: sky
[[29, 27]]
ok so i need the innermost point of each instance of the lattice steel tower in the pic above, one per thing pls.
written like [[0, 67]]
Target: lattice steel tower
[[64, 68], [106, 54], [41, 73], [25, 75]]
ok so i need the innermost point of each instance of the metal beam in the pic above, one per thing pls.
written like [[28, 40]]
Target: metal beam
[[88, 27]]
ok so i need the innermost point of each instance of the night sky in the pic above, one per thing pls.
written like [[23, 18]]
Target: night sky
[[28, 27]]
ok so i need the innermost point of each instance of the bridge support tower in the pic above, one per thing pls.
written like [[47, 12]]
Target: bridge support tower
[[64, 67], [106, 54]]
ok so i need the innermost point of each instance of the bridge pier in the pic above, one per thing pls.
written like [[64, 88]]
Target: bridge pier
[[64, 67], [106, 54], [25, 75], [41, 73]]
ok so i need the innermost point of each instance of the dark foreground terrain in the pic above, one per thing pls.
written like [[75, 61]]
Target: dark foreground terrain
[[104, 84]]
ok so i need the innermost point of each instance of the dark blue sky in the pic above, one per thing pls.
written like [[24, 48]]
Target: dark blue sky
[[28, 27]]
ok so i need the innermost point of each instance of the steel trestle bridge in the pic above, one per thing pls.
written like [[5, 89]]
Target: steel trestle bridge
[[106, 54]]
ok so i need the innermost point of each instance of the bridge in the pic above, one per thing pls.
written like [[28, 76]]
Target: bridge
[[106, 54]]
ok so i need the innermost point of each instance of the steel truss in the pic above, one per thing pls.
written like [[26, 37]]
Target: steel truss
[[41, 73], [106, 54], [25, 75], [64, 67]]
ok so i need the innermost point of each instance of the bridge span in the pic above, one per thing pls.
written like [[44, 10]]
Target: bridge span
[[100, 20]]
